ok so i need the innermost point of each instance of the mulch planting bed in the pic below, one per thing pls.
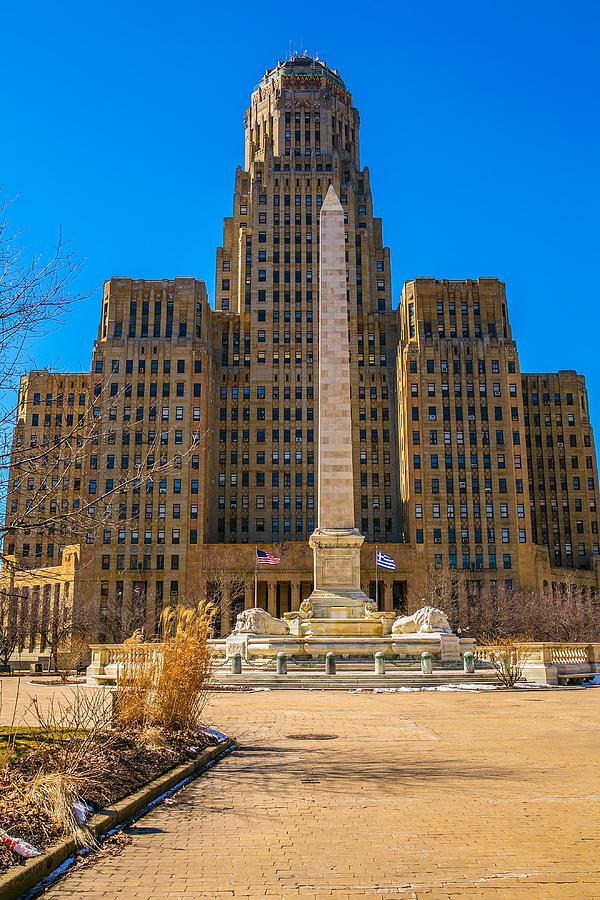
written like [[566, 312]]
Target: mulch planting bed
[[107, 771]]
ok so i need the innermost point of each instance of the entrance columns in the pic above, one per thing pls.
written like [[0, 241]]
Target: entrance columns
[[272, 597], [295, 595]]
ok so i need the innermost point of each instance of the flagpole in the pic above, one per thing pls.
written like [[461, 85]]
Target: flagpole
[[255, 579], [376, 578]]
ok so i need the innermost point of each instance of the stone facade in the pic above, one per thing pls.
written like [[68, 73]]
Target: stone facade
[[563, 472], [37, 604], [193, 438]]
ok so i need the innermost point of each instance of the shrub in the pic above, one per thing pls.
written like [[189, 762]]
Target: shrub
[[508, 656]]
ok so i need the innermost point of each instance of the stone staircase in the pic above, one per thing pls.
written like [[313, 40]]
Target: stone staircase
[[349, 677]]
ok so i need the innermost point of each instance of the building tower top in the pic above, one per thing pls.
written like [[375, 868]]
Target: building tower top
[[303, 67], [302, 113]]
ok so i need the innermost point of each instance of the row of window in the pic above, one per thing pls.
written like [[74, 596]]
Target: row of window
[[534, 397], [176, 487], [464, 537], [558, 420], [367, 525], [465, 331], [259, 479], [259, 502], [140, 389], [115, 366], [141, 414], [436, 510], [275, 297], [148, 536], [472, 563], [145, 563], [496, 389], [260, 435], [58, 400], [232, 414], [276, 523], [578, 504], [274, 336], [262, 315], [261, 393], [285, 457], [457, 366], [461, 457], [69, 420], [462, 486]]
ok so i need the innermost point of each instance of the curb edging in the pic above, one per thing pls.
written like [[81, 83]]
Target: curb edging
[[15, 884]]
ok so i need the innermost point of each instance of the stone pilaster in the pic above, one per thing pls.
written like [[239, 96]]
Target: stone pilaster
[[272, 597]]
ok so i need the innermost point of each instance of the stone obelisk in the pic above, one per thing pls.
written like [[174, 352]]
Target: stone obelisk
[[336, 542]]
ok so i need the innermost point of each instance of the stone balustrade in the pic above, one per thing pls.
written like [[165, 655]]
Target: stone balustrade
[[552, 663], [106, 659]]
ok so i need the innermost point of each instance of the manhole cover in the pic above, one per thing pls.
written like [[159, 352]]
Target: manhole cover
[[312, 737]]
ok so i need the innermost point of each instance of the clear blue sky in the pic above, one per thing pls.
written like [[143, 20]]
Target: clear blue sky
[[122, 123]]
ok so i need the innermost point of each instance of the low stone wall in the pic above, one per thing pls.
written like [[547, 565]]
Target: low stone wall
[[552, 663]]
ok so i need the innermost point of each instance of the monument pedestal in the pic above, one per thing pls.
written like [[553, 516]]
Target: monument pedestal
[[337, 593]]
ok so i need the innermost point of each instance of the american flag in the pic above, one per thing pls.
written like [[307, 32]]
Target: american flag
[[265, 559], [385, 562]]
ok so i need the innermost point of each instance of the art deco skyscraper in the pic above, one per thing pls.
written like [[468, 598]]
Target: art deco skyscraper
[[196, 430], [301, 135]]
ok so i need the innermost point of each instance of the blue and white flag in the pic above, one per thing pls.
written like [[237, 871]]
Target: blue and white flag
[[385, 562]]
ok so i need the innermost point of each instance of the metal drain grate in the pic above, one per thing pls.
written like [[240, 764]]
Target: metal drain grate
[[312, 737]]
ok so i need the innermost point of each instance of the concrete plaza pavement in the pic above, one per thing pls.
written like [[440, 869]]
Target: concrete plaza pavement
[[377, 795]]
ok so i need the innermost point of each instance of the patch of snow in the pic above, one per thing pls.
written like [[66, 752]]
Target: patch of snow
[[213, 733], [441, 687]]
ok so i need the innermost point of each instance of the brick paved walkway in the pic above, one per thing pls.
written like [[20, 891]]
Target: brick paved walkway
[[420, 795]]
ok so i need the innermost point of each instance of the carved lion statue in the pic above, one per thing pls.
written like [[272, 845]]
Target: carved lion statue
[[371, 611], [306, 609], [259, 621], [427, 619]]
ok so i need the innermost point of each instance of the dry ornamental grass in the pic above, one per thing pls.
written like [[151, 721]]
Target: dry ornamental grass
[[100, 746], [166, 687]]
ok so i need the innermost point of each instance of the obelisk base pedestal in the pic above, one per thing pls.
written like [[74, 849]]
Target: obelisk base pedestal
[[337, 593]]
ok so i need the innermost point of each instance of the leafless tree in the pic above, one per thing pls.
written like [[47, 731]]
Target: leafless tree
[[226, 582], [123, 614], [10, 626], [34, 295], [71, 654], [442, 587], [42, 474], [62, 629], [498, 612]]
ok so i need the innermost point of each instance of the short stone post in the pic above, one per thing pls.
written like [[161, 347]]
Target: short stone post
[[426, 664], [281, 664], [469, 663], [330, 664], [380, 663], [236, 664]]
